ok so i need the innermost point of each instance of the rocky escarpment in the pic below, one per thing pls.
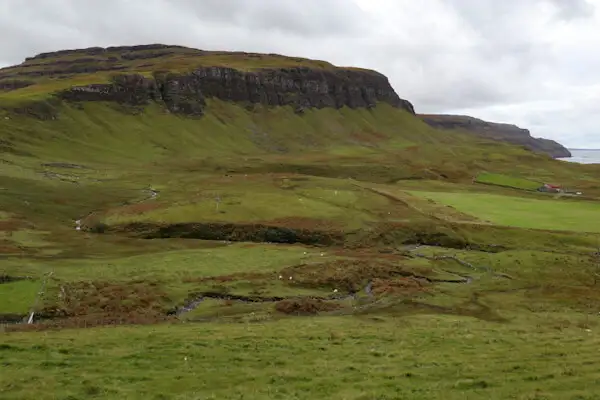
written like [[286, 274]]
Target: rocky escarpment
[[143, 74], [299, 87], [497, 131]]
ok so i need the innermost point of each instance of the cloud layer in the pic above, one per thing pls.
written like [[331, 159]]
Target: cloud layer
[[534, 63]]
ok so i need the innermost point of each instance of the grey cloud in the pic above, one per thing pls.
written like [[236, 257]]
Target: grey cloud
[[570, 9], [313, 19]]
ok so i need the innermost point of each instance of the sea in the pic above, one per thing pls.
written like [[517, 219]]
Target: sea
[[584, 156]]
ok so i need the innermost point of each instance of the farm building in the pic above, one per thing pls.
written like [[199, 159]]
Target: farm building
[[550, 188]]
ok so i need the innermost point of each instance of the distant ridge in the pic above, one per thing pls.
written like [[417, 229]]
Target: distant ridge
[[498, 131]]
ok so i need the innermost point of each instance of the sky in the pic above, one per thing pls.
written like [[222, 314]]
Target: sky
[[534, 63]]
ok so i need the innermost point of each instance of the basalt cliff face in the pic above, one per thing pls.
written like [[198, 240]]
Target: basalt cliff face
[[299, 87], [182, 79], [497, 131]]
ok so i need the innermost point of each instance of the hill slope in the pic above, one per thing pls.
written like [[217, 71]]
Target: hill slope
[[82, 131]]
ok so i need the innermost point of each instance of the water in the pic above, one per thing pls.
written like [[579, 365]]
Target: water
[[584, 156]]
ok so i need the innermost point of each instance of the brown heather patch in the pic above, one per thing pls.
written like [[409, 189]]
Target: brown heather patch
[[398, 286], [583, 296], [88, 304], [11, 225], [367, 253], [344, 275], [7, 247], [249, 276], [305, 306], [83, 298]]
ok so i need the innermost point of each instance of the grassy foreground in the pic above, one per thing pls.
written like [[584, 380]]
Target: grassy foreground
[[539, 356]]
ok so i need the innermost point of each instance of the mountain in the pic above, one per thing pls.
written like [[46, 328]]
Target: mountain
[[182, 79], [497, 131]]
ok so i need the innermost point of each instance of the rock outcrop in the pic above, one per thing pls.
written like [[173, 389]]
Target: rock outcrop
[[306, 84], [299, 87], [497, 131]]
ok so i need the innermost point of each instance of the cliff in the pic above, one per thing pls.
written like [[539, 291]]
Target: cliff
[[182, 79], [497, 131]]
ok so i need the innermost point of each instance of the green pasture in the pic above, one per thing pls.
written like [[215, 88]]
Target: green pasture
[[555, 214]]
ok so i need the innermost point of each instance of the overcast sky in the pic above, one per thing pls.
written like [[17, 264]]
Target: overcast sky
[[535, 63]]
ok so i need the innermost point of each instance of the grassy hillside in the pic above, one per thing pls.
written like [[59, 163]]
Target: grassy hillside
[[256, 252]]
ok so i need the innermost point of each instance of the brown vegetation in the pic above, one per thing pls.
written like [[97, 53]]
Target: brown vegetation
[[88, 304], [11, 225], [398, 286], [344, 275], [229, 278], [304, 306]]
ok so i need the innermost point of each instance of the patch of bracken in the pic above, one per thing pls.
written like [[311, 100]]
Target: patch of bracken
[[305, 306]]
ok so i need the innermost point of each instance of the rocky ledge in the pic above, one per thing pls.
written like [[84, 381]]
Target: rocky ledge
[[300, 87], [141, 74], [497, 131]]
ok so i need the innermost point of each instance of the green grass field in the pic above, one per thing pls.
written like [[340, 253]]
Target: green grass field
[[565, 214], [416, 357], [337, 253], [507, 181]]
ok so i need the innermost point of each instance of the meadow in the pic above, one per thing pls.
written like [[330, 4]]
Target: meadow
[[540, 356], [552, 214], [507, 181]]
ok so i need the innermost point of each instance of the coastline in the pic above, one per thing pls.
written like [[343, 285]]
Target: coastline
[[583, 156]]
